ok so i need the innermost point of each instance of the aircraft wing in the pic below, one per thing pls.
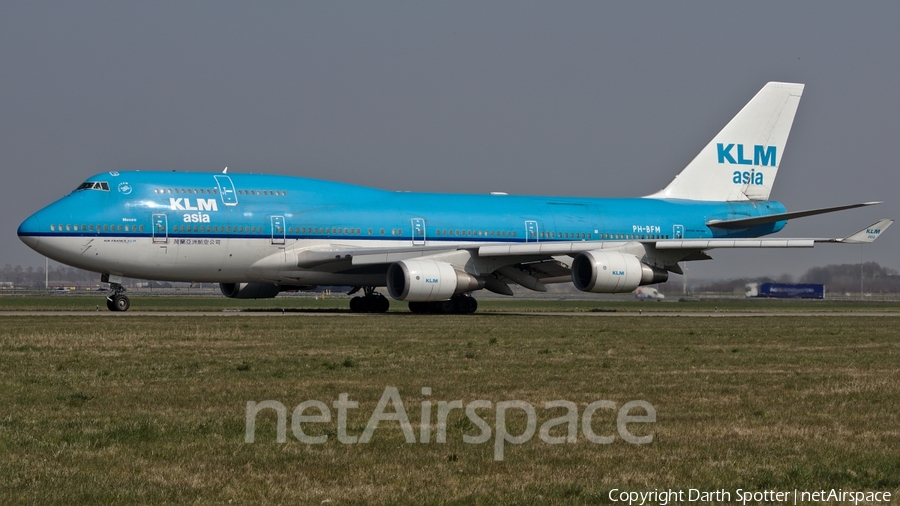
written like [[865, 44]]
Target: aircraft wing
[[538, 251], [531, 265], [865, 235]]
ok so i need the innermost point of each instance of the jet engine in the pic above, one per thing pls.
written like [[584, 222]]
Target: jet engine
[[611, 272], [427, 280], [249, 290]]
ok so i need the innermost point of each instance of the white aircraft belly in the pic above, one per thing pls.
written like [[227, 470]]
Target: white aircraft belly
[[199, 260]]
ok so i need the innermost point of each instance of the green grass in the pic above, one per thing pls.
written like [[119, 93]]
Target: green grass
[[149, 410], [207, 301]]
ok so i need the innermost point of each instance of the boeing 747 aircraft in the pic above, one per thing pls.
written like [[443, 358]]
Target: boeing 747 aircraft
[[258, 235]]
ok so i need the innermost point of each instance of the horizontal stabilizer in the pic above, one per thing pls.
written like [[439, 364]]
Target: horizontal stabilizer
[[772, 218]]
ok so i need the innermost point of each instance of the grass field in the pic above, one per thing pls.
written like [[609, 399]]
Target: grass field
[[91, 301], [147, 410]]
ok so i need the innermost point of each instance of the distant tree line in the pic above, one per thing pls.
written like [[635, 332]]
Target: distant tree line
[[60, 276], [846, 277], [31, 277]]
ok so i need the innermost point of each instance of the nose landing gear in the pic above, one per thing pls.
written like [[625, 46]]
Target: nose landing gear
[[116, 300]]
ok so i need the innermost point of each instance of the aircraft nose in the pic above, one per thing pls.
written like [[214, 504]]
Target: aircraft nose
[[29, 231]]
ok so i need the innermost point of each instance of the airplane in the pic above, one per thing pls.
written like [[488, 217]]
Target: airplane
[[258, 235]]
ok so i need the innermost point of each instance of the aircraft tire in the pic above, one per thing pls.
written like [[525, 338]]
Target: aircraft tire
[[418, 307], [442, 307], [463, 304], [121, 303], [110, 304], [380, 304], [356, 305]]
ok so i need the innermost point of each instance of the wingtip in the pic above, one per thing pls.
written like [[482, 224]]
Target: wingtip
[[868, 234]]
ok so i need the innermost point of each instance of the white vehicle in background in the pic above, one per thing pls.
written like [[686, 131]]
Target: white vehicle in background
[[751, 290], [647, 293]]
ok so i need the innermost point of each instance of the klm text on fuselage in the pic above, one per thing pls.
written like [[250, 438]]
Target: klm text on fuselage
[[735, 154], [184, 204]]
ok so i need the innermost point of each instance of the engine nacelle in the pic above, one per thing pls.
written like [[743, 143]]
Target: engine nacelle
[[611, 272], [427, 280], [249, 290]]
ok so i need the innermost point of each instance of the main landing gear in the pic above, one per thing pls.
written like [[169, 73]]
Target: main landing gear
[[371, 302], [117, 300], [458, 304]]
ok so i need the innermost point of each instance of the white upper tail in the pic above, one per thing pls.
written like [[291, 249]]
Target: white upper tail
[[741, 161]]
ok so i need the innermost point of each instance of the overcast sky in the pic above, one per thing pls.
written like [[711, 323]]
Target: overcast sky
[[561, 98]]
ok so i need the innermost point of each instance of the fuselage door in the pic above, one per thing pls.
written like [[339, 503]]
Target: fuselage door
[[418, 231], [531, 231], [160, 228], [226, 190], [277, 229], [677, 231]]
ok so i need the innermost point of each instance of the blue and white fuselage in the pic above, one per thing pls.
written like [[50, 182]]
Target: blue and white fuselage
[[260, 234], [186, 227]]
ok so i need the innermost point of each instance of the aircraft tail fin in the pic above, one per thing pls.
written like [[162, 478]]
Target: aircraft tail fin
[[741, 161]]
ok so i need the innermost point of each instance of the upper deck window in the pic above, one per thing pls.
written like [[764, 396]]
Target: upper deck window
[[94, 185]]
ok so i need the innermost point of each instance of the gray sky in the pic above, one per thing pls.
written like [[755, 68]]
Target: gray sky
[[580, 98]]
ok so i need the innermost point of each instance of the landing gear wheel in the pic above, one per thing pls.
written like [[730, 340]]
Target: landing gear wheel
[[418, 307], [459, 304], [371, 302], [121, 302], [381, 304], [464, 304], [116, 300], [442, 307]]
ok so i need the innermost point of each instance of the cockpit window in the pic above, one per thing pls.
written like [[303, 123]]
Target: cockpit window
[[94, 185]]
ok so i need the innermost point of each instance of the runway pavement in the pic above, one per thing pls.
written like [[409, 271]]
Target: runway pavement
[[616, 314]]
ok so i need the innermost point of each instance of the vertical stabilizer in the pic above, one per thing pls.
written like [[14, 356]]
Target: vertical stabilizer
[[741, 162]]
